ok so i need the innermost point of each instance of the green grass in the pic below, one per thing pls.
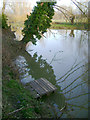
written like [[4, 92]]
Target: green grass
[[15, 96], [79, 26]]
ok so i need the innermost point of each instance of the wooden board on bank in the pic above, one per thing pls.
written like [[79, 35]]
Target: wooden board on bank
[[42, 87]]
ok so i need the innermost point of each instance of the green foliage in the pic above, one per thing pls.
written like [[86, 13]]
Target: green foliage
[[38, 22], [4, 21]]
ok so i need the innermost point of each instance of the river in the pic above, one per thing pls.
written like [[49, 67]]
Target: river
[[62, 58]]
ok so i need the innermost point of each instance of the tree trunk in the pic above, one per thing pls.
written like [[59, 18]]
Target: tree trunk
[[72, 19]]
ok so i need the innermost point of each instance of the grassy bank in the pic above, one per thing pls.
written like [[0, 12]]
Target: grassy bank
[[17, 102], [78, 26]]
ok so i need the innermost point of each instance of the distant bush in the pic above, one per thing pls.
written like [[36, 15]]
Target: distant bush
[[4, 21]]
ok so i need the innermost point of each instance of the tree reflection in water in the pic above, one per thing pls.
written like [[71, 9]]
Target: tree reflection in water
[[37, 68], [72, 33], [40, 68]]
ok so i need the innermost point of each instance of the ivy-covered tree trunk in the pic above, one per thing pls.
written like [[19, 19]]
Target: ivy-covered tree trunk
[[38, 21]]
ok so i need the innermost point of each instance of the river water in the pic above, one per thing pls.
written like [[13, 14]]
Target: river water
[[62, 58]]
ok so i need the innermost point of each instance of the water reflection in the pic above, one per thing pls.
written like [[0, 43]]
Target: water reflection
[[34, 68], [72, 33], [62, 60], [68, 55]]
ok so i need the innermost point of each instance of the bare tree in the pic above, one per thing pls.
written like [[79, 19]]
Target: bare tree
[[68, 15]]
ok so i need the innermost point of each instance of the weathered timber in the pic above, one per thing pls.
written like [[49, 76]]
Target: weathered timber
[[42, 86]]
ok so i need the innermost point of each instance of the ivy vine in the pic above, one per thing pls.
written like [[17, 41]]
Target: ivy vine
[[38, 21]]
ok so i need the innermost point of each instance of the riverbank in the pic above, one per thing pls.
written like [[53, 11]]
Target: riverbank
[[75, 26], [17, 102]]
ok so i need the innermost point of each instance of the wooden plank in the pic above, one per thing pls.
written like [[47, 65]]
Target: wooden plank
[[37, 87], [45, 85], [49, 84], [41, 85]]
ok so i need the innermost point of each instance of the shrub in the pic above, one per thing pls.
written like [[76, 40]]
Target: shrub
[[4, 21]]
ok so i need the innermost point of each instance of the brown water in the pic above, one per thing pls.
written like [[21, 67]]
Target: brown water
[[62, 58]]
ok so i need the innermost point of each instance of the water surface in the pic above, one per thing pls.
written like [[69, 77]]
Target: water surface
[[61, 57]]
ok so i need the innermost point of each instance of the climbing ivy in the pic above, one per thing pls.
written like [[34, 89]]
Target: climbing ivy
[[4, 21], [38, 21]]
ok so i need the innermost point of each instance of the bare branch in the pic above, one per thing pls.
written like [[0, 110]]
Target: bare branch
[[62, 12], [81, 4], [79, 8], [64, 9]]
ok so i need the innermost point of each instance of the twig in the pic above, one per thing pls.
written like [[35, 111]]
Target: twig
[[20, 109], [15, 111], [63, 108]]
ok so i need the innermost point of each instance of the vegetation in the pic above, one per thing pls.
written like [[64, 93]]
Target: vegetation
[[17, 101], [78, 26], [38, 22], [4, 21]]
